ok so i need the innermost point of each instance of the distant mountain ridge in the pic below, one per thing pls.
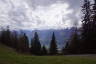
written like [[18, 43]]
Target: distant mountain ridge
[[45, 36]]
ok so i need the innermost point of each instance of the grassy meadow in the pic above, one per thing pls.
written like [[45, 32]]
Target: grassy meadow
[[9, 56]]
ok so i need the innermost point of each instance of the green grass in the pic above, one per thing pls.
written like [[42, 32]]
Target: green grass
[[9, 56]]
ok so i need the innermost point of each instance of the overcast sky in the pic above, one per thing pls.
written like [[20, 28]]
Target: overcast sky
[[39, 14]]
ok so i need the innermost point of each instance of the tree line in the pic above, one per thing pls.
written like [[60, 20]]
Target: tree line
[[20, 42]]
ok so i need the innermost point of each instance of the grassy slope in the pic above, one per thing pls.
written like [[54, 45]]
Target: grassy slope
[[8, 56]]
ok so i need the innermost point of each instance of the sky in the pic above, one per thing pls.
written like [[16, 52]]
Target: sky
[[40, 14]]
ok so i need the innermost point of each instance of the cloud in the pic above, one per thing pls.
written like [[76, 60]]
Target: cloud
[[35, 3], [31, 14]]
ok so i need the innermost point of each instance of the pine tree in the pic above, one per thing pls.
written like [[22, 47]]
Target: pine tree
[[36, 45], [74, 44], [44, 51], [65, 48], [8, 40], [23, 44], [14, 39], [53, 46], [7, 37], [86, 27], [93, 27], [89, 27], [11, 39], [26, 43]]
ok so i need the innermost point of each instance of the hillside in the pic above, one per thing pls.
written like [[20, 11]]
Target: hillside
[[9, 56]]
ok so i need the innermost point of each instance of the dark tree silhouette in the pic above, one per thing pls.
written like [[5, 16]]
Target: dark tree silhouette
[[86, 26], [93, 28], [53, 46], [74, 43], [23, 44], [89, 27], [65, 49], [26, 43], [6, 37], [44, 50], [14, 39], [36, 45]]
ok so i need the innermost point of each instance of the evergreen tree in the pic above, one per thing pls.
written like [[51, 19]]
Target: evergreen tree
[[2, 36], [65, 48], [14, 39], [53, 46], [89, 27], [35, 45], [44, 51], [86, 27], [23, 44], [11, 39], [93, 28], [26, 43], [74, 44], [6, 37]]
